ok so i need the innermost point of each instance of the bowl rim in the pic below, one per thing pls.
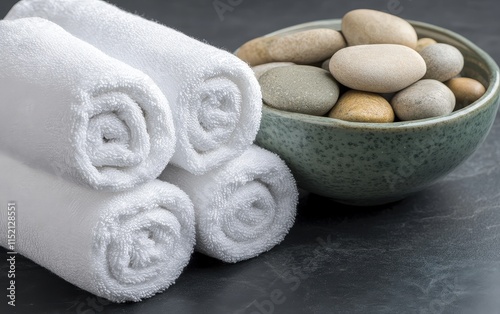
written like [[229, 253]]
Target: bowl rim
[[490, 94]]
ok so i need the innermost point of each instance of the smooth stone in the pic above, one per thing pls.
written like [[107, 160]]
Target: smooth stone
[[307, 47], [424, 99], [359, 106], [260, 69], [364, 27], [443, 61], [424, 42], [325, 65], [255, 51], [381, 68], [466, 90], [299, 88]]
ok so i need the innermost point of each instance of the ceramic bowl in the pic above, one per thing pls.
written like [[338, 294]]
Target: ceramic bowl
[[371, 163]]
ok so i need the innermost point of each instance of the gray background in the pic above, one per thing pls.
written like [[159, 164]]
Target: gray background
[[435, 252]]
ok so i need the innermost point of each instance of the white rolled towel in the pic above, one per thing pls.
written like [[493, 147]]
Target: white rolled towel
[[70, 109], [214, 96], [243, 208], [122, 246]]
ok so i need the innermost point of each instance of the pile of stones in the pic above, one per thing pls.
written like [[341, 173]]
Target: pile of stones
[[375, 69]]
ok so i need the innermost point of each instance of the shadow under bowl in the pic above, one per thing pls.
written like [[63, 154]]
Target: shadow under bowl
[[377, 163]]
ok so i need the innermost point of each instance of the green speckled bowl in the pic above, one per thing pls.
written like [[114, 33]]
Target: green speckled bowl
[[373, 164]]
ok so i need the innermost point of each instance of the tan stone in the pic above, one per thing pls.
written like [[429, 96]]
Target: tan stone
[[359, 106], [466, 90], [255, 51], [424, 42], [307, 47]]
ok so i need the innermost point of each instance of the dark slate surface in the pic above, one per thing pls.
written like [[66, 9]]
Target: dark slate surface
[[435, 252]]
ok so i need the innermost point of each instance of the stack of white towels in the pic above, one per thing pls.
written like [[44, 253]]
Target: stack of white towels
[[126, 145]]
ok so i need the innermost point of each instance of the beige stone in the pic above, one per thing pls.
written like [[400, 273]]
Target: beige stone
[[359, 106], [365, 26], [307, 47], [378, 68]]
